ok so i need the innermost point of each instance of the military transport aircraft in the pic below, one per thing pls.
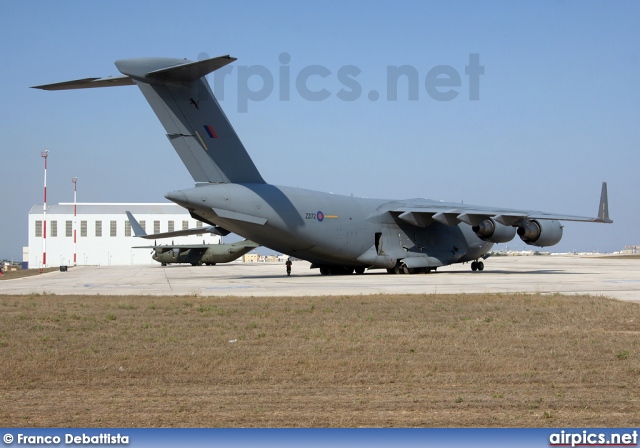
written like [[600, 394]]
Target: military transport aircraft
[[337, 234], [194, 254]]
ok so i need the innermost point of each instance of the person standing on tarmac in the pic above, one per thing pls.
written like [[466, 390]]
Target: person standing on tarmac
[[288, 263]]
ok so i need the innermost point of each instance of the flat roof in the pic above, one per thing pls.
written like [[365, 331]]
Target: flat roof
[[95, 208]]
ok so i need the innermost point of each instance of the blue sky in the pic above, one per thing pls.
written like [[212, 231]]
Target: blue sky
[[557, 111]]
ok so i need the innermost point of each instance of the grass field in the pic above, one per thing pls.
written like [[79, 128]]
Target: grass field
[[382, 361], [21, 273]]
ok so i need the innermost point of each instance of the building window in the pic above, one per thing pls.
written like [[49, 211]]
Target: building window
[[199, 225], [38, 229], [113, 227], [156, 226], [185, 225], [98, 228], [68, 228], [143, 224], [170, 228], [54, 228], [83, 228], [127, 228]]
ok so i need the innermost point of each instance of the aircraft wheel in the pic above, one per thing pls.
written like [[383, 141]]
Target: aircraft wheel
[[474, 266], [480, 266], [410, 271], [427, 270], [397, 270], [359, 271], [325, 271], [163, 264], [391, 271]]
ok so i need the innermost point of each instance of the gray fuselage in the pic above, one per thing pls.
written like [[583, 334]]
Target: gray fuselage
[[329, 229]]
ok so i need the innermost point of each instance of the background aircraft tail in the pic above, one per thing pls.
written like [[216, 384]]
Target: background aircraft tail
[[196, 126]]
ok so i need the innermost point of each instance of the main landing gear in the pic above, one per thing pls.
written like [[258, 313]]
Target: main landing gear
[[403, 269], [477, 266]]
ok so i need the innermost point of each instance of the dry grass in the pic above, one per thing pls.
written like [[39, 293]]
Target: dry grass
[[623, 256], [20, 273], [406, 360]]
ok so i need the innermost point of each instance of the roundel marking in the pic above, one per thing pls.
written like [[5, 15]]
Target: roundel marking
[[320, 216]]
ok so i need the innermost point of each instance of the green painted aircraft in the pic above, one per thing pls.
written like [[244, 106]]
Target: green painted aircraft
[[194, 254]]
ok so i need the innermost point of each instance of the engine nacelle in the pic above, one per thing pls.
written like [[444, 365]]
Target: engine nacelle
[[540, 233], [489, 230]]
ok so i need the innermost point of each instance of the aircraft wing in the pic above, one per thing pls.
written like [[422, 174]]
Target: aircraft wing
[[180, 248], [139, 232], [194, 231], [422, 213]]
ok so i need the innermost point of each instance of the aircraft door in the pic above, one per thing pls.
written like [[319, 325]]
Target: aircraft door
[[388, 242], [378, 243]]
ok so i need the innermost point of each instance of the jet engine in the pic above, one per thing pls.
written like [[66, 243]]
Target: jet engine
[[540, 233], [494, 232]]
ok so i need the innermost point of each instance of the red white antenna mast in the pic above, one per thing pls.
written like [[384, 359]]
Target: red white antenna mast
[[75, 181], [44, 154]]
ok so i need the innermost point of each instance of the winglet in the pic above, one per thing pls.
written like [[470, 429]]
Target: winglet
[[603, 207], [135, 225]]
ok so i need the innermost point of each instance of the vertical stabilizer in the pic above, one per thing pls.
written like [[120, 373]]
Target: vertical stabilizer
[[198, 129], [135, 225], [196, 126]]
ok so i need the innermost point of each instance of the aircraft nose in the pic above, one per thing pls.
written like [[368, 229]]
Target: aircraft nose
[[177, 196]]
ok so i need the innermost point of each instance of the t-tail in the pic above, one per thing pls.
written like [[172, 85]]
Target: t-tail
[[196, 126]]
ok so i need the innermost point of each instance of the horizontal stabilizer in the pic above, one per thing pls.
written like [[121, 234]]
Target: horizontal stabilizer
[[180, 72], [191, 71], [88, 83]]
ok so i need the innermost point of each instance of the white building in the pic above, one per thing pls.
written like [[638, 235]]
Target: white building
[[103, 233]]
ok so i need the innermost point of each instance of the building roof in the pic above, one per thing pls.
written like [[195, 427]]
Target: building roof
[[93, 208]]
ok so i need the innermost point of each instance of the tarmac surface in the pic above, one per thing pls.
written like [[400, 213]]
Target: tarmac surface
[[607, 276]]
